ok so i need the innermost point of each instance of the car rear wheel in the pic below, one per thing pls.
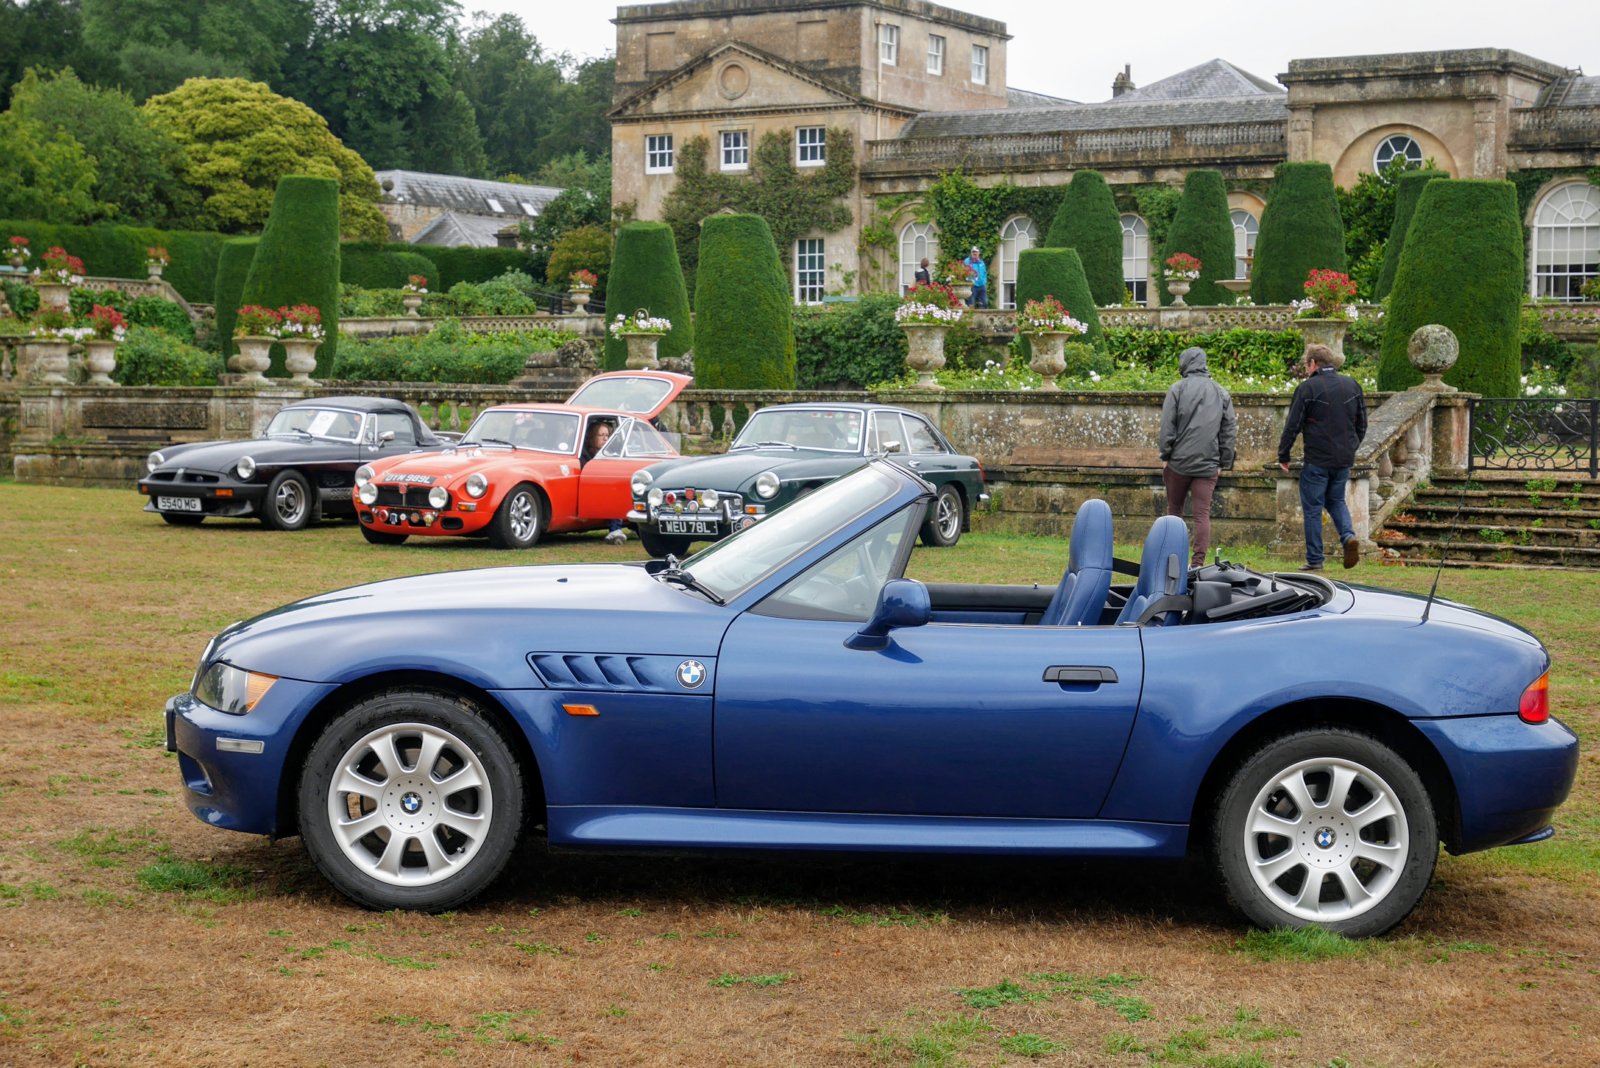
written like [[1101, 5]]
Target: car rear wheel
[[1326, 828], [943, 526], [519, 520], [182, 519], [412, 800], [661, 545], [382, 537], [290, 503]]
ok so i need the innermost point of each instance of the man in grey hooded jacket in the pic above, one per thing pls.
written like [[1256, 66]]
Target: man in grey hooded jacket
[[1198, 431]]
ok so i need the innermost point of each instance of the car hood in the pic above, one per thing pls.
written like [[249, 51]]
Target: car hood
[[480, 625], [222, 455], [444, 467], [1394, 604], [736, 470]]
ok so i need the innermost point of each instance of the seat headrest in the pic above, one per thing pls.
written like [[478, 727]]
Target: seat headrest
[[1092, 539]]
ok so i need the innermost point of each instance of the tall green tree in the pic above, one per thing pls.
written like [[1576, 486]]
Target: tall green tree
[[1408, 190], [1368, 213], [1300, 230], [1087, 221], [47, 35], [743, 329], [1203, 228], [159, 44], [514, 88], [44, 174], [645, 276], [297, 259]]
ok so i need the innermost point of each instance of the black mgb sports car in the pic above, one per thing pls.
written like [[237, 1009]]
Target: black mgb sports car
[[303, 466]]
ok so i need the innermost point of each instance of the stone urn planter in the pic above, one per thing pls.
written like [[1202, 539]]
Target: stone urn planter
[[925, 352], [1179, 288], [1329, 332], [252, 360], [642, 350], [580, 301], [100, 359], [53, 295], [963, 292], [412, 302], [1433, 350], [44, 362], [300, 357], [153, 270], [1048, 358], [1237, 286]]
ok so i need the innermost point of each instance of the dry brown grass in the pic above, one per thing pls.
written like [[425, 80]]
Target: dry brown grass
[[615, 961]]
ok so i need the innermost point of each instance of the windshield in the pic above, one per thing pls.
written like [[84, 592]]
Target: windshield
[[540, 430], [833, 429], [335, 424], [638, 440], [635, 395], [734, 564]]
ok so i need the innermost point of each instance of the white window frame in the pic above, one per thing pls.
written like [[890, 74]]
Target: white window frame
[[810, 270], [935, 54], [657, 146], [1136, 256], [1246, 228], [917, 240], [980, 64], [812, 150], [1016, 236], [1566, 227], [1397, 145], [735, 153], [888, 44]]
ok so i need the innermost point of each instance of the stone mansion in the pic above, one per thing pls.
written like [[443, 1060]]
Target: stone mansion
[[921, 91]]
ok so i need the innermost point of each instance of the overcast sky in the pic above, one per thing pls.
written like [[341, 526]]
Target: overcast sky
[[1076, 54]]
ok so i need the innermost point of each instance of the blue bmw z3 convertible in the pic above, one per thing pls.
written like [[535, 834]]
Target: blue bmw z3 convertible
[[787, 689]]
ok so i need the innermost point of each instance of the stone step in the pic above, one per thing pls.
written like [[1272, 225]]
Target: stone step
[[1470, 550], [1500, 533], [1532, 517]]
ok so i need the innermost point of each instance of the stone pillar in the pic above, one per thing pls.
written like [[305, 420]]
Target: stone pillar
[[1289, 538], [1299, 134], [1488, 147]]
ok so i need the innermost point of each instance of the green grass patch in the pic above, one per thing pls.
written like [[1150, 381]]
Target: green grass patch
[[195, 879], [891, 917], [1030, 1045], [1306, 943], [728, 979]]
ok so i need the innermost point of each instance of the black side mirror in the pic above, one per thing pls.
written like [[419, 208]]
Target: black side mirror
[[901, 603]]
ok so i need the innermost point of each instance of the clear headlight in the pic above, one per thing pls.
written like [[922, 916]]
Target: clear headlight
[[708, 498], [153, 461], [363, 475], [641, 483], [438, 497], [230, 689], [477, 485], [245, 467], [767, 485], [368, 494], [656, 497]]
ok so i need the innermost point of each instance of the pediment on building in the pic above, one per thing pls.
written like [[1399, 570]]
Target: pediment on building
[[735, 77]]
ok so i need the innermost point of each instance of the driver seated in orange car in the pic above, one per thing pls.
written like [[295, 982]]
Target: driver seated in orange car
[[599, 434]]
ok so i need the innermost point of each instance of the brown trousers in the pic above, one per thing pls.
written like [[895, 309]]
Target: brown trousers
[[1180, 487]]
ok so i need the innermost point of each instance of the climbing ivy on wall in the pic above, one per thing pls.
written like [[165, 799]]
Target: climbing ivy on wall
[[792, 203]]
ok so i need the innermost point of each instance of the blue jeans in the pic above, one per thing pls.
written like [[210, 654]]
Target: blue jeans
[[980, 296], [1323, 488]]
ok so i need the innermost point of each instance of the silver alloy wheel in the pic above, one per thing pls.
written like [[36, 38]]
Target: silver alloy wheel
[[1326, 839], [289, 502], [523, 514], [410, 804], [948, 516]]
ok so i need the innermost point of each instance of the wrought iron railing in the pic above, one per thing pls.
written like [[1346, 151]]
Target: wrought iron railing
[[1522, 434]]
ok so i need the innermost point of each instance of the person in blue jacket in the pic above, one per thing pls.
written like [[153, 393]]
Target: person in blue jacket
[[980, 277]]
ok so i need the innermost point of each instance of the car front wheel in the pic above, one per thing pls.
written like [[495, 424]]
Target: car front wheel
[[662, 545], [290, 503], [943, 526], [411, 800], [519, 520], [382, 537], [1326, 828], [183, 519]]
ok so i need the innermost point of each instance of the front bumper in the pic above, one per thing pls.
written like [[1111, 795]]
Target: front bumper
[[226, 497], [730, 516], [395, 513]]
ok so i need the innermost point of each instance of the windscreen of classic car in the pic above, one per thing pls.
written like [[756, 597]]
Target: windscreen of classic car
[[834, 429], [542, 431], [335, 424], [623, 394], [733, 565], [637, 440]]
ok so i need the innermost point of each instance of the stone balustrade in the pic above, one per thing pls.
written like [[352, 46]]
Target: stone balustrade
[[397, 325], [1564, 127]]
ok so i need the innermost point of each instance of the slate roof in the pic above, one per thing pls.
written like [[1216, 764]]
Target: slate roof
[[1583, 92], [1021, 98], [456, 228], [477, 196], [1214, 79], [1260, 107]]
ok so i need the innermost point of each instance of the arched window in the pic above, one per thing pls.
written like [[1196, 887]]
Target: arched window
[[1245, 228], [1396, 145], [1015, 236], [1136, 257], [917, 240], [1566, 241]]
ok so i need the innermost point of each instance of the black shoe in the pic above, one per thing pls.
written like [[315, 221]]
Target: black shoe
[[1352, 553], [1310, 567]]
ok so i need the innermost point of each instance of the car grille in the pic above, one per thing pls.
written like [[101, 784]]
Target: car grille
[[200, 477], [397, 497], [727, 504]]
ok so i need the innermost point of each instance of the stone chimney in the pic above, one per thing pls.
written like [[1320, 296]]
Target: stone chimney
[[1123, 82]]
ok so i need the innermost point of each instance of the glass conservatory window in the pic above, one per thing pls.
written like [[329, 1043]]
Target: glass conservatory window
[[1245, 228], [916, 241], [1016, 235], [1136, 257], [1566, 241], [1398, 145]]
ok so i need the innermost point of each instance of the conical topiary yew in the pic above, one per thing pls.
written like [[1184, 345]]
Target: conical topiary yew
[[1087, 222], [297, 260], [744, 333], [646, 276], [1407, 192], [1300, 230], [1203, 228], [1056, 272]]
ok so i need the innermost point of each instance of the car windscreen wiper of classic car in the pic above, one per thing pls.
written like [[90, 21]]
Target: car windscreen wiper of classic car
[[675, 574], [765, 445], [485, 441]]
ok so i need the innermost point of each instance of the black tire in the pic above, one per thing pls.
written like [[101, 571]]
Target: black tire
[[946, 516], [1338, 842], [382, 537], [662, 545], [474, 831], [519, 520], [290, 502], [182, 519]]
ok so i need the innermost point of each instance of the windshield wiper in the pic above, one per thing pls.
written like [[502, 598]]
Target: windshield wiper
[[766, 445], [675, 574], [485, 441]]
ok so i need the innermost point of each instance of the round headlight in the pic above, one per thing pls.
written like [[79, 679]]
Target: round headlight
[[368, 494], [641, 482], [656, 497], [153, 461], [438, 497], [708, 498], [767, 485], [363, 475], [477, 484], [246, 466]]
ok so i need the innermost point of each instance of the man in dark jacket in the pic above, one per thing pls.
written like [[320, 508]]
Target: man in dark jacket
[[1198, 430], [1329, 408]]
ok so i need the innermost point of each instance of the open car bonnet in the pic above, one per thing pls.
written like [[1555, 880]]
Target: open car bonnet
[[642, 393]]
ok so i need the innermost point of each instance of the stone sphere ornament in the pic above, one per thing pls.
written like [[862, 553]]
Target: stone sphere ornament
[[1433, 350]]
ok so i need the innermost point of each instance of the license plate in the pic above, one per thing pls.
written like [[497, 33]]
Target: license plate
[[687, 526], [178, 504]]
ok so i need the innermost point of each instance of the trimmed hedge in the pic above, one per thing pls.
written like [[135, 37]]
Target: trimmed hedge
[[645, 273], [447, 354], [151, 357], [110, 251], [1461, 266], [743, 310], [1203, 228], [1301, 229], [1268, 353], [232, 267], [1088, 222], [460, 264], [371, 265], [848, 346], [297, 261], [1407, 192], [1056, 272]]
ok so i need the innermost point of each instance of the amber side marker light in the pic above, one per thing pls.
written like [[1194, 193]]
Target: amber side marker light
[[1535, 707], [580, 710]]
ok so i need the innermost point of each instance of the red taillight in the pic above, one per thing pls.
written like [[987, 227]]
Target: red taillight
[[1535, 707]]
